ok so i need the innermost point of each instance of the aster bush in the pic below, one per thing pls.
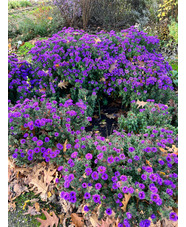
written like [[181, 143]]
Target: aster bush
[[124, 64], [39, 128], [139, 168], [149, 114], [20, 79]]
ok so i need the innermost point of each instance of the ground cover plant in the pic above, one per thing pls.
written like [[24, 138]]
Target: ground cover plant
[[130, 177]]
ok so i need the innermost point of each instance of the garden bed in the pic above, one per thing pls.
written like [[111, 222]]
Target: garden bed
[[93, 126]]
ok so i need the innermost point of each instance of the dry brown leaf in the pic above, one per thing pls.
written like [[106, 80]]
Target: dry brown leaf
[[111, 116], [65, 205], [77, 220], [141, 103], [48, 175], [18, 189], [113, 66], [37, 206], [64, 145], [32, 211], [102, 79], [106, 223], [94, 221], [61, 218], [97, 40], [125, 201], [50, 220], [63, 84], [11, 206]]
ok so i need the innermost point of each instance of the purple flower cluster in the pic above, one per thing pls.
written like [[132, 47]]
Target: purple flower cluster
[[124, 63], [40, 125], [110, 172]]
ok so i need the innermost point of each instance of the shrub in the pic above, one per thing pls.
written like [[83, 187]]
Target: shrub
[[131, 176], [112, 64], [70, 10], [39, 128], [149, 114]]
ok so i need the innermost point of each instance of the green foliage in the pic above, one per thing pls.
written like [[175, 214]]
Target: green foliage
[[24, 49], [173, 30], [18, 4], [138, 119], [42, 21], [168, 9]]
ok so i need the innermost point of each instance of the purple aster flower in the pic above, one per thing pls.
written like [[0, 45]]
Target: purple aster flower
[[110, 159], [129, 215], [153, 177], [66, 184], [68, 146], [47, 139], [23, 141], [84, 185], [14, 155], [153, 216], [145, 223], [95, 175], [131, 149], [169, 191], [144, 177], [104, 148], [131, 190], [86, 209], [109, 211], [122, 156], [98, 186], [173, 216], [88, 156], [88, 171], [120, 195], [96, 198], [155, 197], [159, 202], [104, 176], [141, 195], [39, 143], [87, 195], [123, 178], [35, 138], [56, 134], [100, 156], [125, 189], [101, 169], [89, 119]]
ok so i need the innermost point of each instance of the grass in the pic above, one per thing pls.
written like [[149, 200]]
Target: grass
[[18, 4]]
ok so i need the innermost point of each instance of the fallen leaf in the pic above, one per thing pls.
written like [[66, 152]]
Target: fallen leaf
[[125, 201], [148, 163], [102, 79], [32, 211], [141, 103], [63, 84], [50, 220], [11, 206], [111, 116], [97, 40], [106, 223], [64, 145], [94, 220], [37, 206], [113, 66], [77, 220]]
